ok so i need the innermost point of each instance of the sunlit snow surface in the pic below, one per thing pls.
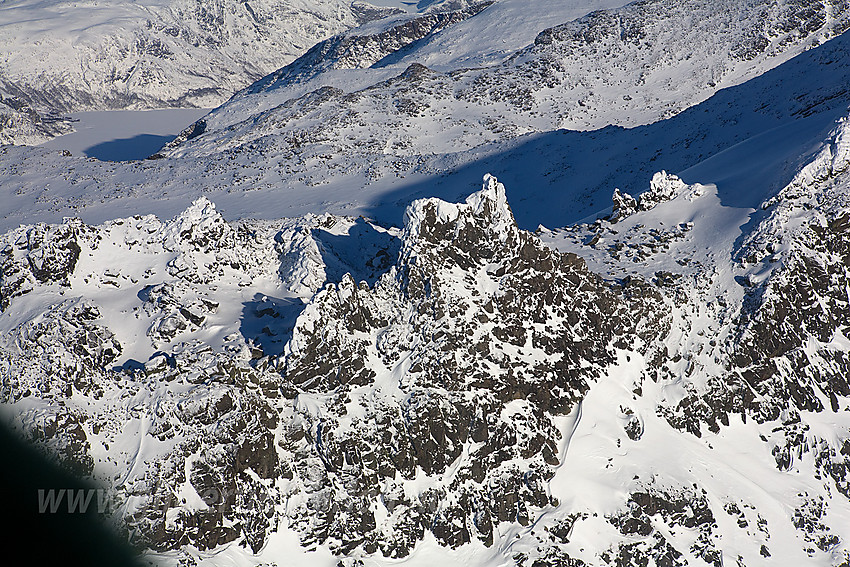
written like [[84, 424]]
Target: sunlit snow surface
[[112, 54], [600, 465], [553, 177], [124, 135]]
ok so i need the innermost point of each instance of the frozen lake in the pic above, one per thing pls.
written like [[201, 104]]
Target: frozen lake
[[122, 135]]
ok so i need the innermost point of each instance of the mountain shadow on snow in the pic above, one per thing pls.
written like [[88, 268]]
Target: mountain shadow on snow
[[561, 177]]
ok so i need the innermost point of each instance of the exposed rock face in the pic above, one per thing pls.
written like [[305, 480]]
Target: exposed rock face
[[663, 187], [217, 485], [796, 310], [357, 51], [452, 365], [444, 394], [474, 340], [684, 508], [37, 255], [789, 358], [669, 387]]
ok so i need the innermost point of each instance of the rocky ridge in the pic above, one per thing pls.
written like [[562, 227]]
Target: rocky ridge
[[441, 391], [22, 124], [359, 49]]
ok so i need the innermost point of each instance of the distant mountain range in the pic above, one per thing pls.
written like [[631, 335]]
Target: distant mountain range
[[58, 56]]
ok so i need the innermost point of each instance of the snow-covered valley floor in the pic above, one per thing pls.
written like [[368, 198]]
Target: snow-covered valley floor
[[123, 135]]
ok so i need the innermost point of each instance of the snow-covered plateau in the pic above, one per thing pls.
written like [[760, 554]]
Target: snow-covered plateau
[[514, 283]]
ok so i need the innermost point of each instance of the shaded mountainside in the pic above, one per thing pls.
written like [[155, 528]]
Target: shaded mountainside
[[22, 124], [470, 386], [312, 155]]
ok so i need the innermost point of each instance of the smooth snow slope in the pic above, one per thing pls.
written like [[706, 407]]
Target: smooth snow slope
[[122, 135], [496, 33]]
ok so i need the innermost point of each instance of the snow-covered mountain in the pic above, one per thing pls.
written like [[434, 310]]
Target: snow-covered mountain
[[477, 391], [302, 336], [20, 123], [65, 56], [660, 58], [326, 149]]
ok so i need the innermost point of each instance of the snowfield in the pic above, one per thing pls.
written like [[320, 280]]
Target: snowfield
[[554, 177], [123, 135]]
